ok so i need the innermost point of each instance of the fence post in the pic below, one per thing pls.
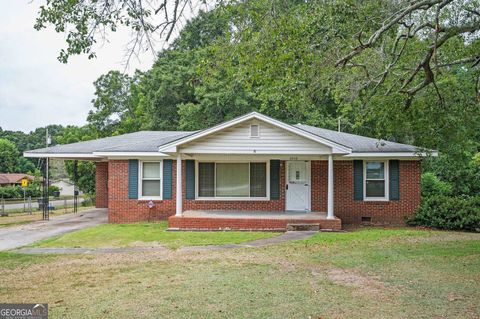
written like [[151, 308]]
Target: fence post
[[65, 205], [30, 204], [3, 206]]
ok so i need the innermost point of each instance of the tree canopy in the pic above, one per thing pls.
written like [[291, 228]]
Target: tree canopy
[[396, 70]]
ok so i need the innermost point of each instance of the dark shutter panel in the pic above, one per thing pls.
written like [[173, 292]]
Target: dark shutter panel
[[190, 179], [133, 179], [167, 179], [358, 180], [394, 174], [274, 179]]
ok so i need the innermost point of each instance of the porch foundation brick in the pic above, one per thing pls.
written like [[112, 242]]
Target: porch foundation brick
[[101, 184], [210, 223], [351, 211]]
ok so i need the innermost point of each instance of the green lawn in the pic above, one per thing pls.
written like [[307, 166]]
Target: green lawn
[[368, 273], [142, 234]]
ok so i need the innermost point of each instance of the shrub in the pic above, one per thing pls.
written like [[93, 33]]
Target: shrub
[[52, 189], [17, 191], [432, 185], [448, 212]]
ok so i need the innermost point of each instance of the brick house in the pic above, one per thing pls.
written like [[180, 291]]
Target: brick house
[[253, 172], [12, 179]]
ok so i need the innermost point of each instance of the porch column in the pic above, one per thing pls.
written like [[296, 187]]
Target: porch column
[[330, 188], [179, 186]]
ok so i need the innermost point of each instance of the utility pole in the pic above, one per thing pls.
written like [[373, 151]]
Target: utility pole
[[339, 124], [46, 203]]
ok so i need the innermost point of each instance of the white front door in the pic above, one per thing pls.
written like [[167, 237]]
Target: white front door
[[298, 186]]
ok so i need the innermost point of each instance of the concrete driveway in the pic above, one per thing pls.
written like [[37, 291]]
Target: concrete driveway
[[17, 236]]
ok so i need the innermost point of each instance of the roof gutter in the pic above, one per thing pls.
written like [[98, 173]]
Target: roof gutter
[[62, 155], [391, 154]]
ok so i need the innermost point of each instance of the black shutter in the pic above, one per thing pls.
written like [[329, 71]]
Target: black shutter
[[274, 179], [394, 175], [133, 179], [190, 179], [167, 179], [358, 180]]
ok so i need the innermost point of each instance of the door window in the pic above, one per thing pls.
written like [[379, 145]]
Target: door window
[[297, 172]]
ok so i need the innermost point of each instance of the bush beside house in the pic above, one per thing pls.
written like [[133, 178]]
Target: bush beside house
[[452, 204], [448, 212]]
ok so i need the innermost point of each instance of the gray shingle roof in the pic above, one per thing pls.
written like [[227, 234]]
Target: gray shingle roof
[[143, 141], [150, 141], [358, 144]]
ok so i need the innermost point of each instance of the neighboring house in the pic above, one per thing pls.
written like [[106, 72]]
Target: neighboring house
[[11, 179], [66, 187], [253, 172]]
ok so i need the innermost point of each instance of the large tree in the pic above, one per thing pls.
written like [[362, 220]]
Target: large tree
[[86, 23], [416, 43], [8, 157], [115, 107]]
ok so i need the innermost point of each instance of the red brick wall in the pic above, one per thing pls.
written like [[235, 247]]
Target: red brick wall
[[124, 210], [351, 211], [101, 185], [262, 205]]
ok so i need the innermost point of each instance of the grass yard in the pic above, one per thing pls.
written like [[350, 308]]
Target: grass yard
[[147, 234], [368, 273]]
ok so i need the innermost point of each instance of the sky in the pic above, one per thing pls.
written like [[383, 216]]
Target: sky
[[35, 88]]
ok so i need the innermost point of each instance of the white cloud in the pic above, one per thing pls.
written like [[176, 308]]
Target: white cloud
[[35, 88]]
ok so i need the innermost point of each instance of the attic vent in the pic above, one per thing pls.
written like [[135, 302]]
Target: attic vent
[[254, 130]]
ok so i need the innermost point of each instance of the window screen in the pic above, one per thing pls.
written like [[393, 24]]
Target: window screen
[[232, 180], [375, 179], [258, 179], [206, 179], [151, 179]]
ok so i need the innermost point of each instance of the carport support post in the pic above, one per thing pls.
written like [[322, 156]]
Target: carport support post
[[330, 188], [179, 186]]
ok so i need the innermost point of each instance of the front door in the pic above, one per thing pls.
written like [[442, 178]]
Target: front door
[[298, 186]]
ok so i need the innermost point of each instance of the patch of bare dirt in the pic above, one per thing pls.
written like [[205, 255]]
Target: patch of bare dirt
[[352, 279]]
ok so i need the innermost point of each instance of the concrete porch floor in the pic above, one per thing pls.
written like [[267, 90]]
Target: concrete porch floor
[[249, 220]]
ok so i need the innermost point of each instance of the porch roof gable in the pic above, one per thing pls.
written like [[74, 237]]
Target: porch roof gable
[[336, 148]]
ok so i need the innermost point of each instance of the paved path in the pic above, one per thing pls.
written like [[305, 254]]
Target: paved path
[[17, 236], [288, 236]]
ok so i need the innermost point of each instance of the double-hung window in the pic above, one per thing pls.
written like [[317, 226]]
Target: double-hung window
[[150, 179], [232, 180], [376, 177]]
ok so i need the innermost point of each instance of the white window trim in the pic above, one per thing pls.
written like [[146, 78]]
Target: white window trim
[[266, 198], [140, 179], [386, 179], [258, 125]]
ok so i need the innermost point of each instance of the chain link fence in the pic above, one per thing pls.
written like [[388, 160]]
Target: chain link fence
[[32, 205]]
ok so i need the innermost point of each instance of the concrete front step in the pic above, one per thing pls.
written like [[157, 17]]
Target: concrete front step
[[303, 227]]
